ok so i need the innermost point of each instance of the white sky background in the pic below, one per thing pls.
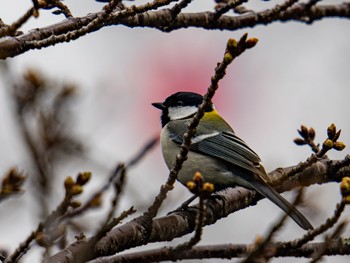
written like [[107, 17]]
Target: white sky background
[[297, 74]]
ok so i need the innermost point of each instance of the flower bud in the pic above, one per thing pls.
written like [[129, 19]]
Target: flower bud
[[76, 189], [304, 132], [339, 146], [251, 42], [208, 187], [328, 144], [345, 186], [299, 141], [228, 58], [83, 178], [69, 183], [331, 130], [197, 177], [96, 201], [75, 204], [191, 185], [312, 133], [232, 43], [346, 199]]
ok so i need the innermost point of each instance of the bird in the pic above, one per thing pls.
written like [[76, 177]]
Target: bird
[[222, 158]]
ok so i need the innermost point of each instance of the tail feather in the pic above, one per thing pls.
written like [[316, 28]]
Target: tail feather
[[270, 193]]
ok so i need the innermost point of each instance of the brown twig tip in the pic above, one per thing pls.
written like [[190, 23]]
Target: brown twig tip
[[308, 136], [251, 42], [68, 183], [76, 187], [198, 186], [234, 48], [331, 131], [83, 178], [332, 141], [208, 187], [12, 183]]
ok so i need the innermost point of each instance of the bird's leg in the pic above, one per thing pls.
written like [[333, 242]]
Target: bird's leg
[[185, 205]]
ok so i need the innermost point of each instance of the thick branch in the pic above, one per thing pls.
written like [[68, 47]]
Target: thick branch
[[178, 224], [335, 247], [164, 20]]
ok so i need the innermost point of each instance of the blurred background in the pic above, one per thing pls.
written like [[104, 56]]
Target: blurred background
[[297, 74]]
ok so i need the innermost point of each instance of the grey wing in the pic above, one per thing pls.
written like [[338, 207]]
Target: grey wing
[[227, 146], [222, 145]]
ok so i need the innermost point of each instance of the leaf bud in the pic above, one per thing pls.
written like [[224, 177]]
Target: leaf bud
[[96, 201], [328, 144], [83, 178], [76, 189], [41, 239], [251, 42], [339, 146], [36, 13], [312, 133], [208, 187], [69, 183], [331, 131], [197, 177], [191, 185], [299, 141], [304, 132], [345, 186], [346, 199], [337, 135], [228, 58], [232, 43], [75, 204]]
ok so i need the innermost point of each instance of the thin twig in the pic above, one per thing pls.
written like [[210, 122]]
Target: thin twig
[[261, 246], [200, 218], [225, 7], [12, 29], [110, 224], [115, 176], [318, 255], [66, 30], [278, 9], [48, 223], [311, 234], [98, 22], [62, 7]]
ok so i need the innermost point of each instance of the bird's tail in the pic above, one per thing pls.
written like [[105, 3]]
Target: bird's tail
[[267, 191]]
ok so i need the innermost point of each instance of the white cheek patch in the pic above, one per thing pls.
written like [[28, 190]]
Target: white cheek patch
[[181, 112], [203, 137]]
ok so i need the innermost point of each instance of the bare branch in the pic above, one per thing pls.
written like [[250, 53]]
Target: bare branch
[[233, 199], [225, 251], [163, 19]]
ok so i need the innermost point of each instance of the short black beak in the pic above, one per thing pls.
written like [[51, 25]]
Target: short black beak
[[159, 105]]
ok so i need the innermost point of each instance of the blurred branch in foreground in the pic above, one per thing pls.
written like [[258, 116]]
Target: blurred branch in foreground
[[42, 108]]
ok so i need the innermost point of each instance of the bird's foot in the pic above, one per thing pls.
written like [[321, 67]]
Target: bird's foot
[[185, 205]]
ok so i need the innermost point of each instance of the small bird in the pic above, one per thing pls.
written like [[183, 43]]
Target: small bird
[[222, 158]]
